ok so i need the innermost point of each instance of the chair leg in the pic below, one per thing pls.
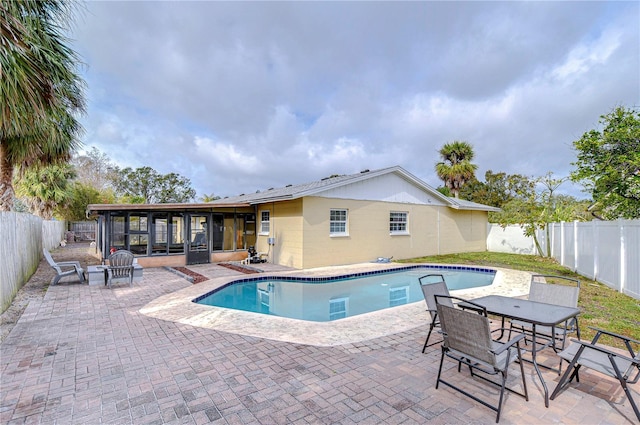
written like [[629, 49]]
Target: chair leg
[[572, 370], [426, 342], [440, 368], [504, 382], [623, 383]]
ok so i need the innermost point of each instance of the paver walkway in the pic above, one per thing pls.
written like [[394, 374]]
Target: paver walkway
[[86, 355]]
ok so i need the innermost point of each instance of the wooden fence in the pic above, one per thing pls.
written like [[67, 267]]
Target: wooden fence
[[22, 238]]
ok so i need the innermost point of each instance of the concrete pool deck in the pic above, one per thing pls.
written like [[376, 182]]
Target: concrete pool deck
[[178, 307], [87, 355]]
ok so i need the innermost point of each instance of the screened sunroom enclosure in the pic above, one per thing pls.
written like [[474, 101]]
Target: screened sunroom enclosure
[[175, 234]]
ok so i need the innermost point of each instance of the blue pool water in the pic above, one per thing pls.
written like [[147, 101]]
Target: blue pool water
[[322, 299]]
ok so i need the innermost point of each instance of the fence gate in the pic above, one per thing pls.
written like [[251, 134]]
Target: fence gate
[[83, 230]]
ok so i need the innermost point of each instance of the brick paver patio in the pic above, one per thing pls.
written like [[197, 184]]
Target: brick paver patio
[[86, 355]]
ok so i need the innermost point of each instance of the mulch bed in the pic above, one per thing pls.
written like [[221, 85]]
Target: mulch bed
[[197, 277]]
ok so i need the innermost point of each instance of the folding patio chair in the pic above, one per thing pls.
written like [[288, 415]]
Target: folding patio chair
[[467, 340], [601, 358], [558, 290], [431, 285]]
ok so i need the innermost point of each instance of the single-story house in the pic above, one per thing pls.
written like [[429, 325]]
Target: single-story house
[[337, 220]]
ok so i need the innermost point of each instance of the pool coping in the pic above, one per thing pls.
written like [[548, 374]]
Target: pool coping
[[178, 307]]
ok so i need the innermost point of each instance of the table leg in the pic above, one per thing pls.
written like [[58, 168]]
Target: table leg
[[535, 365]]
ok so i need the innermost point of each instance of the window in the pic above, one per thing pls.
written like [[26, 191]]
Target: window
[[338, 222], [398, 222], [338, 308], [265, 224], [398, 296]]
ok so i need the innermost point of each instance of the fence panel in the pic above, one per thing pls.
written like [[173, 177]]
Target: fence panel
[[23, 236], [606, 251], [586, 248], [83, 230], [631, 238]]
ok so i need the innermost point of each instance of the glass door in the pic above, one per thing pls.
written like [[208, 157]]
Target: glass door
[[198, 245]]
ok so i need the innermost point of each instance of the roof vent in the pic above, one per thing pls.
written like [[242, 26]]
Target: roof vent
[[364, 171]]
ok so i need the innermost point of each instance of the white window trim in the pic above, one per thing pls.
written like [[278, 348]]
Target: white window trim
[[346, 223], [406, 223], [262, 231]]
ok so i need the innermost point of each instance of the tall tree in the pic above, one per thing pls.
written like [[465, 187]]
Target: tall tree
[[456, 168], [535, 209], [146, 185], [40, 90], [609, 164], [497, 189], [94, 168], [74, 207]]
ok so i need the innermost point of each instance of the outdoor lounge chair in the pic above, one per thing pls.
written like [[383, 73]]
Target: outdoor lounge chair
[[431, 285], [467, 340], [73, 266], [601, 358], [120, 266], [557, 290]]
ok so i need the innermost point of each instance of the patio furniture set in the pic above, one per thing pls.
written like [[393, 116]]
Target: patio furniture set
[[121, 266], [541, 321]]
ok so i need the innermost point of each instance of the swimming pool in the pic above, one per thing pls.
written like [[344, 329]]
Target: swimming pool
[[322, 299]]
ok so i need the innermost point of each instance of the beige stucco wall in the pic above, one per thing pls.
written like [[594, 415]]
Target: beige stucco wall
[[432, 230], [286, 227], [462, 231]]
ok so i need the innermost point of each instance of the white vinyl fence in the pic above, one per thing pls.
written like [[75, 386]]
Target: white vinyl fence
[[606, 251], [23, 236]]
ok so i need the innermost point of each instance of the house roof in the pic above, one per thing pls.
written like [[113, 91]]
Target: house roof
[[291, 192]]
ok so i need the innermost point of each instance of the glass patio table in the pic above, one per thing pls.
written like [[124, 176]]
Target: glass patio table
[[536, 313]]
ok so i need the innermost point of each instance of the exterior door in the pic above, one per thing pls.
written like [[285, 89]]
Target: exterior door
[[198, 251]]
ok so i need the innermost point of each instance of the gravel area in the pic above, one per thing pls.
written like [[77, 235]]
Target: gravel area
[[37, 286]]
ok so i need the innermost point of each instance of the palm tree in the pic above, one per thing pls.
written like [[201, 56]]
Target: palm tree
[[456, 168], [44, 188], [40, 90]]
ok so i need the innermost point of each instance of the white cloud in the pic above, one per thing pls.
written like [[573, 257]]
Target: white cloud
[[243, 96]]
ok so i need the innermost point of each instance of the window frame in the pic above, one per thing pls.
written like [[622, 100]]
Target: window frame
[[265, 230], [399, 223], [333, 221]]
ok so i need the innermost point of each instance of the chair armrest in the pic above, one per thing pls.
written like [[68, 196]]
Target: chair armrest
[[605, 350], [615, 335], [69, 263], [505, 346]]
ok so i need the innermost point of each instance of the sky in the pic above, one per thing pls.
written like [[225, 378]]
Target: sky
[[243, 96]]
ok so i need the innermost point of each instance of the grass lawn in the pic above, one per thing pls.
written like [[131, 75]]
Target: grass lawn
[[601, 306]]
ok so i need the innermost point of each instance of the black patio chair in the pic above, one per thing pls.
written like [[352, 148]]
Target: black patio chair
[[467, 340], [558, 290], [433, 284], [601, 358]]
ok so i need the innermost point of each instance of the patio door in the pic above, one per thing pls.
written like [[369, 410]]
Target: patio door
[[198, 251]]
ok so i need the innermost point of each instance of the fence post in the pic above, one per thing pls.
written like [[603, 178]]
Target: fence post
[[623, 263], [596, 253], [575, 246], [562, 243]]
